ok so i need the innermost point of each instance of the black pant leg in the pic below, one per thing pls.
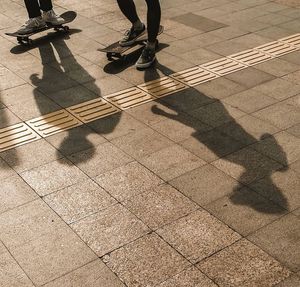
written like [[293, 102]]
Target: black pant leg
[[153, 19], [46, 5], [129, 10], [33, 8]]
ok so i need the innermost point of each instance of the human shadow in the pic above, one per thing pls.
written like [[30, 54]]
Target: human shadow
[[58, 84], [215, 144]]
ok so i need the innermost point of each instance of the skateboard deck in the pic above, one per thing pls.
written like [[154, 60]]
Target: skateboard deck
[[24, 39], [116, 51]]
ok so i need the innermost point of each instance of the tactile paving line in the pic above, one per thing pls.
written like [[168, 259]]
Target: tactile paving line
[[194, 76], [251, 57], [162, 87], [129, 98], [53, 123], [92, 110], [293, 40], [16, 135], [277, 48], [223, 66]]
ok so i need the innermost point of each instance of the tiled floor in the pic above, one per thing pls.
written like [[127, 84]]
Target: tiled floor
[[182, 184]]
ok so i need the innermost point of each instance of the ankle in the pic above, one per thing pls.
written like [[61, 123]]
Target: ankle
[[151, 45], [138, 25]]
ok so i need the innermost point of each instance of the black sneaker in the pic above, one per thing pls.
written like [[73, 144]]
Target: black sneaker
[[146, 59], [131, 36]]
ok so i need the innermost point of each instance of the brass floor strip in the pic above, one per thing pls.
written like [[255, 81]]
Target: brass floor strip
[[194, 76], [224, 66], [53, 123], [92, 110], [293, 40], [32, 130], [163, 87], [277, 48], [129, 98], [251, 57], [16, 135]]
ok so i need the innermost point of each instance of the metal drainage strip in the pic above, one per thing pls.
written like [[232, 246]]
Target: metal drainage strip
[[223, 66], [251, 57], [129, 98], [16, 135], [163, 87], [53, 123], [92, 110], [194, 76], [276, 48], [293, 40]]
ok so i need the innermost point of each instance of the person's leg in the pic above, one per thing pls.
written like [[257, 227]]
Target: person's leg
[[128, 8], [45, 5], [33, 8], [153, 20]]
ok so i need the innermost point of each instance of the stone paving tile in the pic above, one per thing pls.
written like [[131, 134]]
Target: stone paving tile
[[277, 67], [146, 261], [201, 185], [30, 156], [211, 145], [273, 32], [292, 281], [90, 275], [295, 130], [248, 129], [177, 127], [100, 159], [220, 88], [8, 79], [53, 176], [278, 89], [217, 113], [171, 162], [116, 125], [250, 77], [226, 48], [27, 103], [254, 210], [296, 166], [187, 100], [52, 255], [75, 140], [5, 170], [160, 205], [110, 229], [283, 147], [14, 192], [292, 57], [247, 165], [11, 274], [198, 235], [128, 180], [250, 101], [281, 240], [27, 223], [79, 200], [201, 55], [282, 115], [189, 277], [7, 118], [293, 77], [143, 142], [281, 187], [244, 265]]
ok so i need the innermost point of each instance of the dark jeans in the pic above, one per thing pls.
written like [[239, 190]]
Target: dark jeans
[[34, 7], [153, 16]]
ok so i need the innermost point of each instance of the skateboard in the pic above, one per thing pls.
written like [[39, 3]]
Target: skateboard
[[24, 39], [116, 51]]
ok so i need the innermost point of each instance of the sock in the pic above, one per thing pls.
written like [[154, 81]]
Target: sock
[[151, 45], [138, 25]]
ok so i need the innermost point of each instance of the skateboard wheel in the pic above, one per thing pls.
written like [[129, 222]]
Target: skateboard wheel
[[29, 42], [109, 56], [66, 28]]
